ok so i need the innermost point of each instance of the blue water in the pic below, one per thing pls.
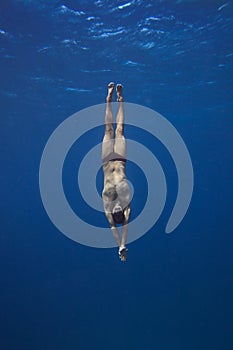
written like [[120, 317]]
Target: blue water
[[174, 291]]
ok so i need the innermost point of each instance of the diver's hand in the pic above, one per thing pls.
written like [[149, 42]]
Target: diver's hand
[[123, 253]]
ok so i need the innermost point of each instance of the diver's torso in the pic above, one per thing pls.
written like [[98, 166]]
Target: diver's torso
[[116, 187]]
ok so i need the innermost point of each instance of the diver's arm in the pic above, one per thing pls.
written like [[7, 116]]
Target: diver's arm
[[125, 226], [109, 218], [115, 232]]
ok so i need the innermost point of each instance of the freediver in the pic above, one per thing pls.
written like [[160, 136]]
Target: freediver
[[116, 192]]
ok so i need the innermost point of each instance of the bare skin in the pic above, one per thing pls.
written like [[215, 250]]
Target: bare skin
[[116, 192]]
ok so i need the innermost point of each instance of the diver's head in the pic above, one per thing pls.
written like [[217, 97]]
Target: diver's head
[[117, 214]]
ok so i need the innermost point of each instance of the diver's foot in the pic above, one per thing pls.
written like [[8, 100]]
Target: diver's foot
[[119, 89], [109, 97], [123, 253]]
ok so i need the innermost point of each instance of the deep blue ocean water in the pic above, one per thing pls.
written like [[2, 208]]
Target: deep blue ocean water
[[175, 291]]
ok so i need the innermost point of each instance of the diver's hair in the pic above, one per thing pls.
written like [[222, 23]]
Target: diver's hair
[[118, 217]]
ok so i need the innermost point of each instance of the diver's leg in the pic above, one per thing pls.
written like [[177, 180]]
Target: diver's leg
[[108, 140], [120, 144]]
